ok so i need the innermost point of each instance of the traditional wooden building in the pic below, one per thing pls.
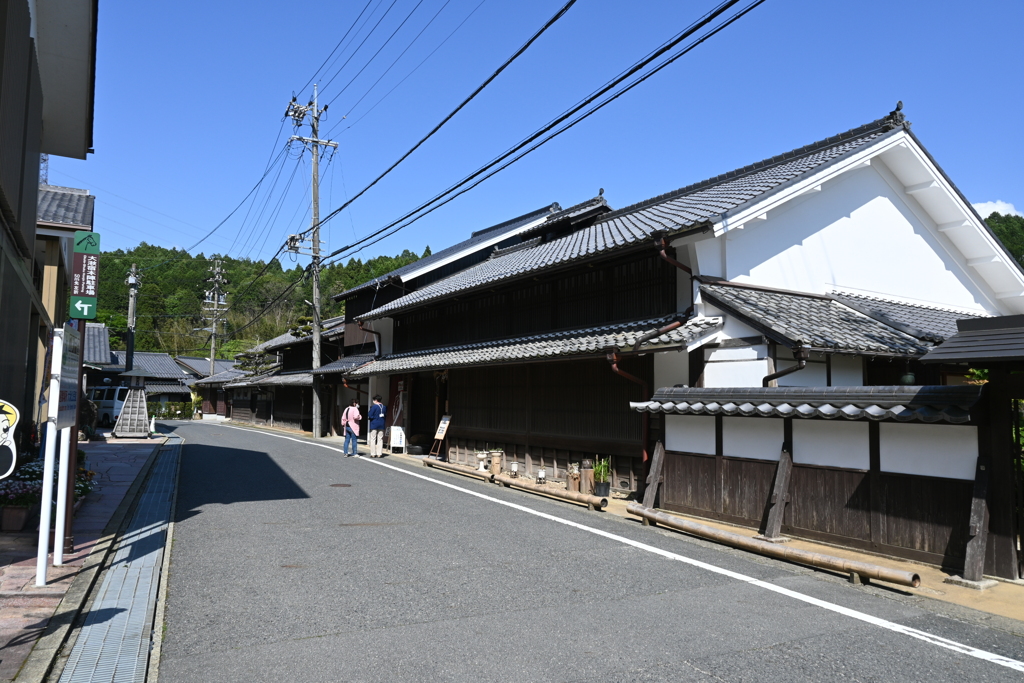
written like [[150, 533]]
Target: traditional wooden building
[[786, 302]]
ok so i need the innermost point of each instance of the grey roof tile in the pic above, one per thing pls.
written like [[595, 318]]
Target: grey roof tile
[[932, 323], [589, 341], [901, 403], [159, 365], [344, 365], [201, 366], [818, 321], [166, 388], [96, 346], [684, 208], [474, 242], [65, 205], [221, 377]]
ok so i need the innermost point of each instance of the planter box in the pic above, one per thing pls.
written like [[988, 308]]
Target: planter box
[[14, 517]]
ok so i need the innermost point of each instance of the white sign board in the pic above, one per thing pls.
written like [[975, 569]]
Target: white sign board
[[397, 438], [442, 428], [67, 401]]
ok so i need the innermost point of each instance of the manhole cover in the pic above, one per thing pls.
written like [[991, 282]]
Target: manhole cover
[[341, 486]]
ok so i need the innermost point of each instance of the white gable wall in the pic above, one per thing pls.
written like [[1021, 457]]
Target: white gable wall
[[856, 232]]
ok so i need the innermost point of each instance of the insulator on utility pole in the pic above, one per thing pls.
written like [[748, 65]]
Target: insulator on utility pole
[[298, 114]]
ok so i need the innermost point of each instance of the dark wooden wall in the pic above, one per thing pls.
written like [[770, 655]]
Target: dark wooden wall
[[293, 408], [920, 518], [634, 288], [561, 411]]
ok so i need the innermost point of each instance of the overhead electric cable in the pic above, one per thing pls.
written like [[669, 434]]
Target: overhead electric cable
[[701, 23], [341, 68], [558, 15], [338, 45]]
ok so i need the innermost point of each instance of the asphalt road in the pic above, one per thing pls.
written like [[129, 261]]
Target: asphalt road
[[406, 575]]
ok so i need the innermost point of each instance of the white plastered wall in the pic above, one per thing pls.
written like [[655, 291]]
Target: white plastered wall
[[752, 437], [690, 433], [671, 368], [831, 444], [932, 450], [855, 232]]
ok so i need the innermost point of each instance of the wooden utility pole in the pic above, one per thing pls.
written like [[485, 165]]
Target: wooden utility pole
[[298, 114], [215, 297]]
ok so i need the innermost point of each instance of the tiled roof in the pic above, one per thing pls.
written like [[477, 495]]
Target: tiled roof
[[166, 388], [159, 365], [684, 208], [983, 341], [65, 205], [476, 241], [96, 346], [344, 365], [588, 341], [301, 379], [221, 377], [901, 403], [201, 366], [794, 318], [931, 323]]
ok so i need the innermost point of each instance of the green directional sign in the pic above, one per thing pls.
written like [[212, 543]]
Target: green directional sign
[[85, 273], [83, 307]]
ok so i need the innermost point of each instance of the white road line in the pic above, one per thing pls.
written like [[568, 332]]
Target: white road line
[[832, 607]]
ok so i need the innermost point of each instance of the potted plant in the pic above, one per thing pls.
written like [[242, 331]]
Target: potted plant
[[18, 497], [602, 474]]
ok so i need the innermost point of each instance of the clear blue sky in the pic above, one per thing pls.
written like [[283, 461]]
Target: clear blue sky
[[190, 97]]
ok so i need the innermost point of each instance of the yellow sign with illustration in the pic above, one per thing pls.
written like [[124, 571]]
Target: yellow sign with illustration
[[9, 417]]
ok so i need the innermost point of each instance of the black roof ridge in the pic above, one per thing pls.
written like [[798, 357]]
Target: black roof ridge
[[552, 208], [65, 189], [526, 244], [890, 122]]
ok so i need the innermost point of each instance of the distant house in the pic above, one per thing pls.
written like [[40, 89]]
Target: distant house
[[102, 367], [774, 313]]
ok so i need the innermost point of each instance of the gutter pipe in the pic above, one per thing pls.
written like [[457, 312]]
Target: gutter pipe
[[801, 353], [376, 339]]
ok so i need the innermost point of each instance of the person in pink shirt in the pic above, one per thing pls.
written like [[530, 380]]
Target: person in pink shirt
[[350, 423]]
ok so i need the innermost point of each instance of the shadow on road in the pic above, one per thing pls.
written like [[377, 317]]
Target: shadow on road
[[219, 475]]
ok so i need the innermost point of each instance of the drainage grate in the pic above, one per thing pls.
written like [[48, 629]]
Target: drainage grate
[[341, 486]]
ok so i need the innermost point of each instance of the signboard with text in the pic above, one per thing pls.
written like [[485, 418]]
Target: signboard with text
[[85, 275], [67, 401], [442, 427]]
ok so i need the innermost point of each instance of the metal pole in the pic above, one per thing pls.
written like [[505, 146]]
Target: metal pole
[[62, 499], [51, 446], [69, 493], [316, 266]]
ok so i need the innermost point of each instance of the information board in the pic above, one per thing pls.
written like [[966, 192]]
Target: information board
[[67, 401], [84, 276], [397, 439], [442, 428]]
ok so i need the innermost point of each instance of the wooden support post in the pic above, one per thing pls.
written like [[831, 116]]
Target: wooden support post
[[780, 491], [875, 491], [974, 562], [656, 477]]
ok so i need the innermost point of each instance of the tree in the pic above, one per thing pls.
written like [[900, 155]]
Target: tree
[[1010, 231]]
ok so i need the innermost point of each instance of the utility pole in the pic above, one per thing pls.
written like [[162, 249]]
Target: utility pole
[[215, 296], [133, 293], [298, 114]]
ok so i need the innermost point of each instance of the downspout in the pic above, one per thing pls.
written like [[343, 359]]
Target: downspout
[[801, 353], [661, 244], [613, 359], [376, 340]]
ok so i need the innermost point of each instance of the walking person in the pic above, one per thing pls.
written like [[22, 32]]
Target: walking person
[[378, 411], [350, 424]]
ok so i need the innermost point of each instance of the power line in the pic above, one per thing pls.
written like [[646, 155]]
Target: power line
[[370, 60], [558, 15], [686, 33], [338, 45], [360, 46]]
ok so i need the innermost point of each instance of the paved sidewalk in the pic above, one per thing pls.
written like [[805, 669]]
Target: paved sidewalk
[[25, 609]]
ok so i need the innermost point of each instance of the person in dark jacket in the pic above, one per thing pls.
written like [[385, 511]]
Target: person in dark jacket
[[377, 415]]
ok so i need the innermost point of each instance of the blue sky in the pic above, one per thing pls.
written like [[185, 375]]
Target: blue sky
[[190, 97]]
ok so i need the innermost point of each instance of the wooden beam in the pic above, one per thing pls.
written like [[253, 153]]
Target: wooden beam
[[656, 477], [780, 490], [974, 563], [875, 484], [920, 187]]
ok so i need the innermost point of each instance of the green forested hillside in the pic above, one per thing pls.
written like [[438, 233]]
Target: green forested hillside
[[173, 287], [1010, 230]]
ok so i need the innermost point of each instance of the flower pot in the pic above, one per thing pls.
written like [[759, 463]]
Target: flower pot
[[602, 489], [14, 517], [572, 484]]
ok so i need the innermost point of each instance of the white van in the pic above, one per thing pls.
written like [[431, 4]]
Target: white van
[[109, 401]]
